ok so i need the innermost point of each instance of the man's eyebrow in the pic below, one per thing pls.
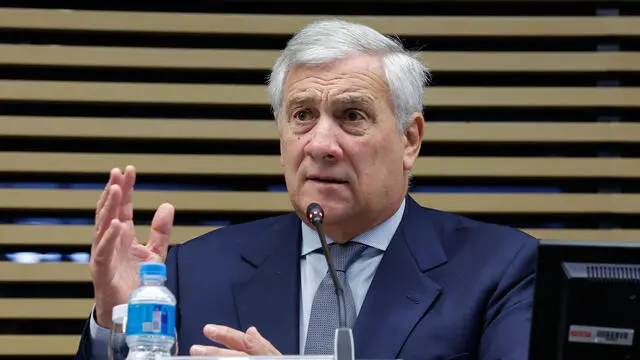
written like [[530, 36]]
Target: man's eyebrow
[[300, 99], [354, 99]]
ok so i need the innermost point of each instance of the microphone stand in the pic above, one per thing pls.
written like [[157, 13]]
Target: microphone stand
[[343, 345], [342, 316]]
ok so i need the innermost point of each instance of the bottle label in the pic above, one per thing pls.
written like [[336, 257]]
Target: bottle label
[[151, 319]]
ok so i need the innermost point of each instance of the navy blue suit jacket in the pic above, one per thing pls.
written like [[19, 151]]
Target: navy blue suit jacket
[[447, 288]]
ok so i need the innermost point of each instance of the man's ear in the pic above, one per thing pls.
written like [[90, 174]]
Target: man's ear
[[413, 140]]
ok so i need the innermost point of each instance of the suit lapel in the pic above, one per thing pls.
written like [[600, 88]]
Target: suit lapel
[[400, 293], [269, 300]]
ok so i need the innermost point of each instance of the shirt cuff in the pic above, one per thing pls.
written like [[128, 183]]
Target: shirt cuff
[[99, 338]]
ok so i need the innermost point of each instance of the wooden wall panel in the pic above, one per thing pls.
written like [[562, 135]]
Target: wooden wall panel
[[532, 121]]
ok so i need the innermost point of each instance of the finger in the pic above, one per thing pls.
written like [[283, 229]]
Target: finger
[[126, 209], [229, 337], [199, 350], [115, 177], [100, 208], [127, 234], [104, 250], [258, 345], [108, 212], [160, 233]]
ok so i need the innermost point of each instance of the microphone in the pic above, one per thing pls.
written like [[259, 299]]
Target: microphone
[[344, 348]]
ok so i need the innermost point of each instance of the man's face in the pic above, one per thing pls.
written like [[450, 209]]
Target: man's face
[[340, 146]]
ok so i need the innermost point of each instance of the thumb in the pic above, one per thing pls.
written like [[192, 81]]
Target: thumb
[[160, 233]]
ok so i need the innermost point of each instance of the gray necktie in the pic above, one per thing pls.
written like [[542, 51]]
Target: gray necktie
[[323, 321]]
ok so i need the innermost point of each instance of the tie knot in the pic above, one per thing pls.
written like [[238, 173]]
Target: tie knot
[[344, 255]]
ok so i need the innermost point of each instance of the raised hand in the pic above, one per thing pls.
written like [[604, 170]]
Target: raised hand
[[116, 254]]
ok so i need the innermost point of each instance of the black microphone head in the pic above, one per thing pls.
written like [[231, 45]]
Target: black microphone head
[[315, 214]]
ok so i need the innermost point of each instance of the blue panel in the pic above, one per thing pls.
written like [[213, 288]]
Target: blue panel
[[39, 221], [24, 257], [277, 188], [30, 185], [78, 257]]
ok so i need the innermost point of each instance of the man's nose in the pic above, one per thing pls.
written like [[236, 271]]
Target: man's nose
[[324, 143]]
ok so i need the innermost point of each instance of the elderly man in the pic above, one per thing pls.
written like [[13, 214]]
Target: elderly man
[[420, 283]]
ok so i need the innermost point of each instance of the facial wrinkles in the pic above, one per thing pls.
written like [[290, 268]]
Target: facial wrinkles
[[333, 84]]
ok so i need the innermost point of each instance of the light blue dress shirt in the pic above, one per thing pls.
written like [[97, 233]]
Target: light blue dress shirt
[[313, 269], [313, 266]]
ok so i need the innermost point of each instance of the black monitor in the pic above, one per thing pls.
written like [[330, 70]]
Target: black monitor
[[586, 302]]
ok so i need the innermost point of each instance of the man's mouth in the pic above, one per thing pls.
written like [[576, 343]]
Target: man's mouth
[[326, 180]]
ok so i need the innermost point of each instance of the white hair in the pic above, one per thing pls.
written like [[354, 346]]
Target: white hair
[[329, 40]]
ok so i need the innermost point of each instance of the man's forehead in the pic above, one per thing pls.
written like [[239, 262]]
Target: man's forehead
[[348, 79], [351, 62], [348, 95]]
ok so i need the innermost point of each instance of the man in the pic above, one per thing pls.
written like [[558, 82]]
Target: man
[[423, 284]]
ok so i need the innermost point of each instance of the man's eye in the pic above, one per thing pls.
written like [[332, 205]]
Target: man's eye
[[302, 115], [353, 115]]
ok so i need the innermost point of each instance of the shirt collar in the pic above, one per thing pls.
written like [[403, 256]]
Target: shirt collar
[[378, 237]]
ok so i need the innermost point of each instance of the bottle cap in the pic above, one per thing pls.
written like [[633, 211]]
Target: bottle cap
[[149, 268], [119, 312]]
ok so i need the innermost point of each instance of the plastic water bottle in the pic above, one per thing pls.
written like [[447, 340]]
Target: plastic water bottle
[[151, 315]]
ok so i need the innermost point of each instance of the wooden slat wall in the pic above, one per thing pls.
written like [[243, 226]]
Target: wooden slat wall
[[239, 129], [263, 59], [199, 94], [532, 122]]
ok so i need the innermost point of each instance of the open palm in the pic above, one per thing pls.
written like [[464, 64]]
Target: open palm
[[116, 254]]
